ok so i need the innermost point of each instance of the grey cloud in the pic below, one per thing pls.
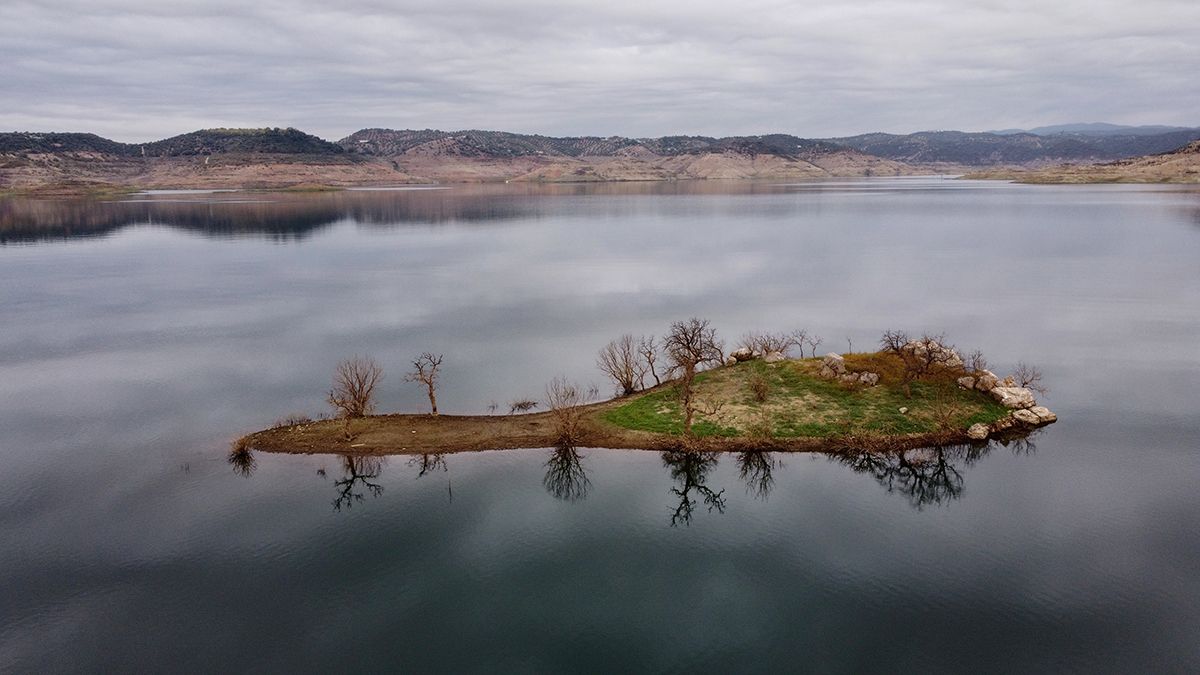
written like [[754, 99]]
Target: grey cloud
[[136, 70]]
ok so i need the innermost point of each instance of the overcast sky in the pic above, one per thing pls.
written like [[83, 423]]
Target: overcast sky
[[143, 69]]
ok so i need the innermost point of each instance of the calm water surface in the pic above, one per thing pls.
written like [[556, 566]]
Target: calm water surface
[[138, 337]]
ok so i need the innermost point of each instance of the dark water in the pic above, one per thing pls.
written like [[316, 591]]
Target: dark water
[[138, 338]]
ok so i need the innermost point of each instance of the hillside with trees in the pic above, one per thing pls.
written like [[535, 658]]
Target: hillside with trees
[[1015, 149]]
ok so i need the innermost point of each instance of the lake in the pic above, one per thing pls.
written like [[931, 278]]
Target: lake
[[141, 335]]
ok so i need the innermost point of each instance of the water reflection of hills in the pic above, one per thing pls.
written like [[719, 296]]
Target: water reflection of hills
[[284, 216], [279, 217], [924, 476]]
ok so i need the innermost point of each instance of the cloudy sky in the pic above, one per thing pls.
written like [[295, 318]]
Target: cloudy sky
[[144, 69]]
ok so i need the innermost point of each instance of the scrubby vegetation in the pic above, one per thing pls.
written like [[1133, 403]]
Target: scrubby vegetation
[[271, 140], [799, 403]]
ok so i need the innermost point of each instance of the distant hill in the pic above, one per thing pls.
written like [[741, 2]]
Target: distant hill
[[1014, 149], [212, 141], [1095, 129], [475, 156], [1181, 165], [273, 158], [204, 142], [27, 142], [475, 143]]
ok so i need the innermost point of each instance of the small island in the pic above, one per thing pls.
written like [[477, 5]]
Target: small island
[[910, 393]]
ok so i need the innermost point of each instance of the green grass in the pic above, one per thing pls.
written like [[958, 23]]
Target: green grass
[[800, 404], [660, 412]]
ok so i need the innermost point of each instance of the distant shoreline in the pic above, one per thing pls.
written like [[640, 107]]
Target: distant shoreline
[[75, 164]]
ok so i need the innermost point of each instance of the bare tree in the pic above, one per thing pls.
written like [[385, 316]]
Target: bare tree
[[765, 343], [1029, 377], [621, 361], [565, 401], [648, 350], [813, 342], [923, 358], [976, 362], [690, 345], [425, 371], [354, 384]]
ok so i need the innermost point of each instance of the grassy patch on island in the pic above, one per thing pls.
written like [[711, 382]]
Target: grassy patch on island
[[788, 399]]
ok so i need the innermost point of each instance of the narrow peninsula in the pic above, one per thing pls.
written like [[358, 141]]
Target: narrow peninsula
[[913, 393]]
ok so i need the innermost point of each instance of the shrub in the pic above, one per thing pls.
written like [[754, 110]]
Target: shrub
[[354, 387], [759, 387]]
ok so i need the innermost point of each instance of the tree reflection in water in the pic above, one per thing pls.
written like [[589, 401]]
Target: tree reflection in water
[[242, 460], [927, 475], [924, 476], [360, 472], [690, 470], [429, 463], [565, 476], [756, 468]]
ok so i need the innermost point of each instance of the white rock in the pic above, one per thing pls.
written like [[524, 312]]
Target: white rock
[[967, 382], [1026, 417], [978, 432], [938, 353], [774, 357], [834, 362], [869, 379], [1014, 397], [730, 361], [1043, 413], [742, 354], [986, 380], [904, 411]]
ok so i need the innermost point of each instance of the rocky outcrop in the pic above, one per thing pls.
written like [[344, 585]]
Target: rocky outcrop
[[774, 357], [934, 353], [1043, 414], [1014, 397], [986, 380], [1025, 410], [1026, 417], [833, 367], [743, 354], [1026, 413]]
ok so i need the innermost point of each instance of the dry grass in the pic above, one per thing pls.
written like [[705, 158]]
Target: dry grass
[[798, 403]]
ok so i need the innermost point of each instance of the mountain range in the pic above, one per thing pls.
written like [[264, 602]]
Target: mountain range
[[275, 157]]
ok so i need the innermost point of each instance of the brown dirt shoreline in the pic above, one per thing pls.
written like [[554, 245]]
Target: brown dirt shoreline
[[411, 434], [78, 174]]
